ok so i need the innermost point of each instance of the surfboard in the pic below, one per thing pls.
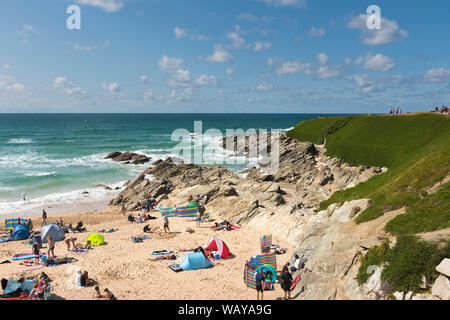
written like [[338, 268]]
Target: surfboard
[[294, 283]]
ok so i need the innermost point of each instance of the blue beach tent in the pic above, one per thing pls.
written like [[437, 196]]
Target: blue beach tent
[[194, 261], [20, 232]]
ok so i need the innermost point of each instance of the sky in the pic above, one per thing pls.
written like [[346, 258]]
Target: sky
[[220, 56]]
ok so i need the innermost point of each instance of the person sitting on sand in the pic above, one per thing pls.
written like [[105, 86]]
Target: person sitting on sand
[[131, 218], [68, 241], [39, 290], [146, 228], [81, 246], [109, 295], [85, 280], [97, 294], [51, 248]]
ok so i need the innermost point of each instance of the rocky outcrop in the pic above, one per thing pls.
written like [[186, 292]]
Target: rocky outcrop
[[441, 287], [128, 157]]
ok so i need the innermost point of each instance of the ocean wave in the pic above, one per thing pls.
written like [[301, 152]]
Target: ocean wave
[[20, 141], [39, 174], [65, 200]]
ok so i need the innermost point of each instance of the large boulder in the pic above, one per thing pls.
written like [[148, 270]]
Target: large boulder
[[128, 157], [441, 288], [444, 267]]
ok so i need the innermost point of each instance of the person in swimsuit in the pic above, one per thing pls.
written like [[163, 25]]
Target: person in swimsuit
[[109, 295], [97, 294], [169, 256], [36, 253], [166, 223], [68, 241], [51, 248]]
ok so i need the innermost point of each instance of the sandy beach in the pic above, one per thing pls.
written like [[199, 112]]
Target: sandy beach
[[125, 267]]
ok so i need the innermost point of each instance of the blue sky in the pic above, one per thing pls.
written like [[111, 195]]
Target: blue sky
[[223, 56]]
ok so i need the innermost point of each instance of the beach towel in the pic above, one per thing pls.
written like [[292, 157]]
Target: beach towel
[[139, 239], [163, 252], [25, 256], [34, 268], [80, 251]]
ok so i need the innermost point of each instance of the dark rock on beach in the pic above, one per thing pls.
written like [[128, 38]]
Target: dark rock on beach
[[128, 157]]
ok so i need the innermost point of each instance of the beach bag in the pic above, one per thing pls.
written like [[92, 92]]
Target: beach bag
[[175, 267]]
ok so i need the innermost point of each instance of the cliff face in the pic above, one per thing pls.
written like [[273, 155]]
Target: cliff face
[[281, 204]]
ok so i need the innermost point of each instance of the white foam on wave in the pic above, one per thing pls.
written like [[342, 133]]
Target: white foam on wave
[[39, 174], [20, 141], [66, 200]]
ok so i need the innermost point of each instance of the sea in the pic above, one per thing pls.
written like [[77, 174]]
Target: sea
[[56, 161]]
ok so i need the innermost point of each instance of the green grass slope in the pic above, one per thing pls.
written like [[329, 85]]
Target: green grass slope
[[415, 149]]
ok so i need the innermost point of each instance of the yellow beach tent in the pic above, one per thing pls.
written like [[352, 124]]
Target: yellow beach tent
[[95, 239]]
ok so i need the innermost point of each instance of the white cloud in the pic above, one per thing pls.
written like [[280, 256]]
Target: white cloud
[[291, 67], [264, 87], [199, 37], [220, 55], [323, 58], [112, 87], [259, 46], [144, 79], [437, 75], [208, 81], [315, 32], [247, 17], [167, 64], [180, 78], [26, 32], [15, 87], [6, 66], [238, 41], [286, 3], [78, 47], [230, 72], [378, 62], [106, 5], [67, 87], [180, 33], [362, 80], [389, 32], [326, 72]]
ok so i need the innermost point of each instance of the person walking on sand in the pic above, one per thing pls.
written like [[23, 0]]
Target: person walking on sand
[[166, 223], [44, 217], [259, 284], [200, 172], [36, 253]]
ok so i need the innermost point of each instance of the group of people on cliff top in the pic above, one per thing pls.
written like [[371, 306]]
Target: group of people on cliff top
[[394, 111], [442, 110], [147, 206]]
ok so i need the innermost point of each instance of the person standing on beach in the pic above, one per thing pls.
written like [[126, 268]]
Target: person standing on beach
[[44, 217], [166, 223], [51, 248], [286, 281], [259, 278]]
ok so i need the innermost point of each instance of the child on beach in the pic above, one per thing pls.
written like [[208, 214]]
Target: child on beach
[[109, 295], [70, 240], [97, 294], [198, 219], [51, 248], [166, 223], [36, 253]]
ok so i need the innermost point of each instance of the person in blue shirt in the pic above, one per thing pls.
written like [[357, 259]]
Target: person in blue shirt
[[259, 278]]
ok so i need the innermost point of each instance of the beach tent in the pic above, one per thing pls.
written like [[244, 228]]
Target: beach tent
[[52, 230], [268, 260], [20, 232], [11, 223], [194, 261], [266, 243], [268, 269], [186, 212], [96, 239], [216, 244]]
